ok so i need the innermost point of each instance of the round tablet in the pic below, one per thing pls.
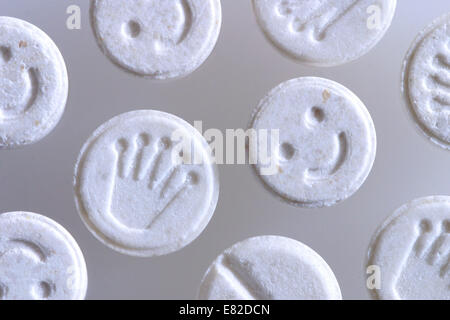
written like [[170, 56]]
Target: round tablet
[[326, 32], [39, 260], [324, 146], [426, 81], [136, 194], [411, 250], [269, 268], [154, 38], [33, 83]]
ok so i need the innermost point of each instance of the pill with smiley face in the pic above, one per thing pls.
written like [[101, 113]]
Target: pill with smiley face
[[157, 39], [326, 144], [39, 260], [33, 83]]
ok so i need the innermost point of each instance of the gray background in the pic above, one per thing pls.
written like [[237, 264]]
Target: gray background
[[222, 93]]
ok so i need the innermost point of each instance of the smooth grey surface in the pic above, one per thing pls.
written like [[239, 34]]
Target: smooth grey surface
[[223, 93]]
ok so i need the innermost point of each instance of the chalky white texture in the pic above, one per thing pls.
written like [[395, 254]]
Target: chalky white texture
[[426, 81], [39, 259], [154, 38], [412, 251], [33, 83], [324, 32], [133, 195], [269, 268], [327, 141]]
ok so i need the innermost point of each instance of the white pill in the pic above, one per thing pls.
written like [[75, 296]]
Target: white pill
[[39, 259], [325, 32], [325, 146], [33, 83], [269, 268], [426, 81], [134, 195], [154, 38], [411, 252]]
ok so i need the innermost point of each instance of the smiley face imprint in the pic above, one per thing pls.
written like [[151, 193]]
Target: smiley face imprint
[[39, 260], [21, 86], [33, 83], [157, 39], [327, 142]]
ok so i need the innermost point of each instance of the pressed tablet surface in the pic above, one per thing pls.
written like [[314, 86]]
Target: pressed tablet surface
[[269, 268], [39, 259], [426, 81], [326, 145], [412, 251], [33, 83], [158, 39], [132, 193], [324, 32]]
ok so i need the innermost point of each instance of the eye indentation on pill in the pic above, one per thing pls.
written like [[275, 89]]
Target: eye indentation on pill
[[144, 170], [132, 29], [287, 151], [5, 54], [315, 116], [312, 175], [320, 18], [19, 94]]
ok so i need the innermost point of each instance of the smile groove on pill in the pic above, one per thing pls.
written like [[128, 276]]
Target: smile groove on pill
[[130, 192], [43, 255], [412, 250], [426, 81], [327, 146], [34, 83], [269, 268], [323, 33], [157, 39], [314, 174]]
